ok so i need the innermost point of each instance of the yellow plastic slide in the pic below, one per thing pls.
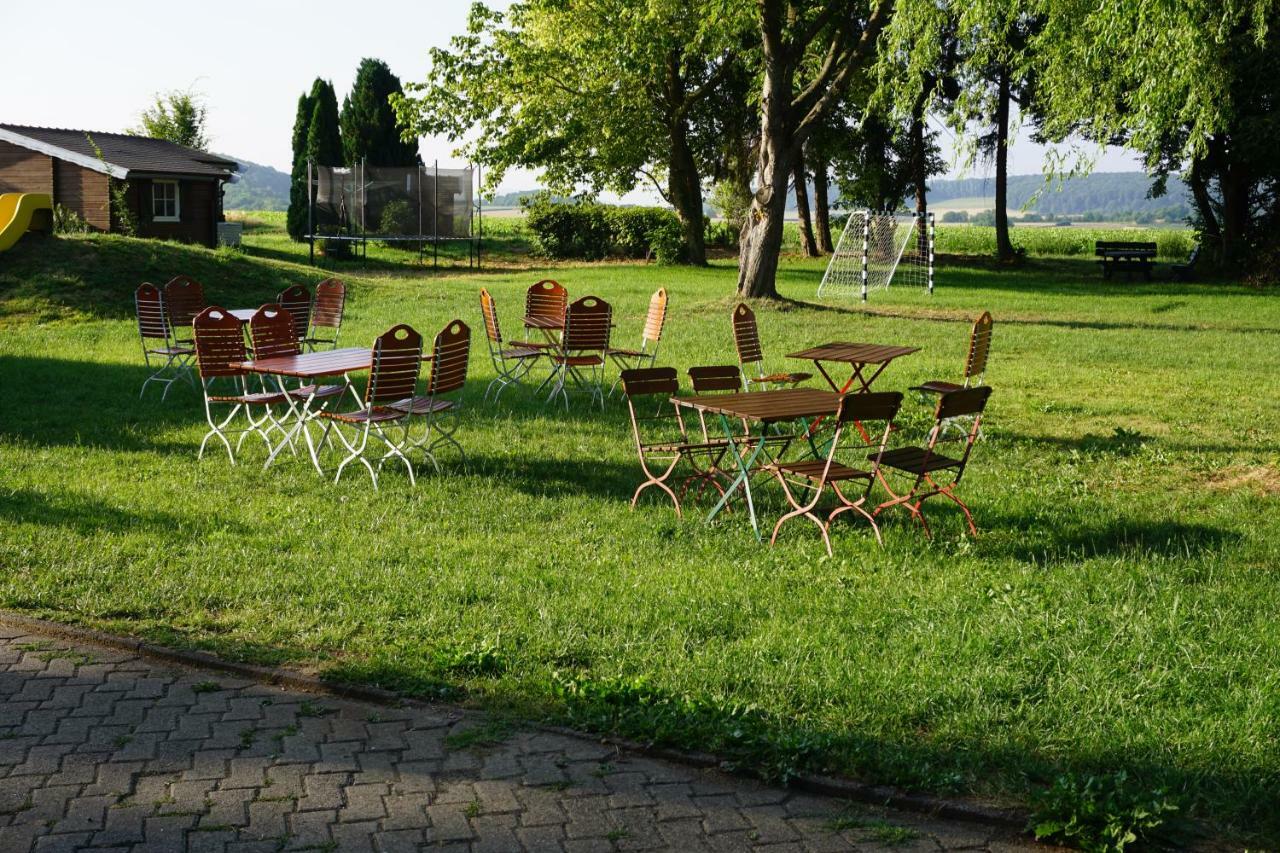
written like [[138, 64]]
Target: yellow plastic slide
[[23, 212]]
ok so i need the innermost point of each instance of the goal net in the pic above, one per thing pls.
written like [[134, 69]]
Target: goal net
[[879, 248]]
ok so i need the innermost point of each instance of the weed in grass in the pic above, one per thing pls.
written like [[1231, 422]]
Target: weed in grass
[[602, 770], [473, 809], [121, 741], [247, 737], [76, 658], [308, 708], [489, 733], [1099, 813], [39, 646], [206, 687], [617, 834]]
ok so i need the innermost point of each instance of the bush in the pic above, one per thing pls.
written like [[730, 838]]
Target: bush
[[398, 219], [1099, 813], [67, 221], [982, 217], [956, 216], [723, 234], [590, 231]]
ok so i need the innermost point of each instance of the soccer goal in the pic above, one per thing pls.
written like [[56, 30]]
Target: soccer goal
[[878, 248]]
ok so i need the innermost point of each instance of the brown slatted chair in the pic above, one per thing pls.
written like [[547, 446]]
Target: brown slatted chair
[[975, 366], [393, 378], [804, 482], [327, 309], [512, 363], [273, 334], [746, 338], [545, 304], [925, 466], [296, 299], [648, 391], [220, 347], [158, 341], [183, 300], [580, 357], [450, 356], [647, 354]]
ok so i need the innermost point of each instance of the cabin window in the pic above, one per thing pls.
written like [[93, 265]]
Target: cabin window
[[164, 201]]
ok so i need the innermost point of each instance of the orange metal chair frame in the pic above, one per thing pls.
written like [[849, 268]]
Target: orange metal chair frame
[[975, 365]]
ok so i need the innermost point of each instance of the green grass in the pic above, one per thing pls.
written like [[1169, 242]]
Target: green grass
[[1118, 611]]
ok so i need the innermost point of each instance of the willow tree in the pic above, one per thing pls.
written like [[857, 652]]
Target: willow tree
[[810, 52], [601, 95]]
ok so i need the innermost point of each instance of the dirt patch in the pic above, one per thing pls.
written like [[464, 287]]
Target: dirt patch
[[1263, 480]]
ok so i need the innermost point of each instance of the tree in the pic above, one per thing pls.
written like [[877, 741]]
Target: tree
[[296, 218], [602, 95], [178, 116], [368, 121], [810, 52], [808, 243], [324, 139]]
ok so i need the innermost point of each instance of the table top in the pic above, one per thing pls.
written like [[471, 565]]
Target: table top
[[787, 404], [242, 314], [313, 365], [851, 353]]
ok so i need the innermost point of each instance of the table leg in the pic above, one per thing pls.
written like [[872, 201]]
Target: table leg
[[299, 416], [743, 480]]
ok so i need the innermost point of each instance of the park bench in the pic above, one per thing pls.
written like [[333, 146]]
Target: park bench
[[1125, 255], [1187, 271]]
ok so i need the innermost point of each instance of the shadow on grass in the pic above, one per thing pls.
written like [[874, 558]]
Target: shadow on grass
[[1132, 538], [86, 515]]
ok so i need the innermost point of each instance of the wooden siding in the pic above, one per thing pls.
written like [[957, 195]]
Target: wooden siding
[[84, 191], [197, 212], [24, 171]]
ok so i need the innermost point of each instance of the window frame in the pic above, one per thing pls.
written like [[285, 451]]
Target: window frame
[[177, 201]]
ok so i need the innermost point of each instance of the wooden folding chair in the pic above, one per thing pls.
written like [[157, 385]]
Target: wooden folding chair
[[804, 482], [544, 308], [158, 341], [580, 357], [296, 299], [450, 356], [326, 315], [647, 354], [975, 366], [273, 334], [925, 465], [648, 391], [220, 347], [393, 378], [183, 300], [511, 363], [746, 338]]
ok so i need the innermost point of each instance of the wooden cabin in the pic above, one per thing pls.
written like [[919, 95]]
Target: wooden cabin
[[175, 193]]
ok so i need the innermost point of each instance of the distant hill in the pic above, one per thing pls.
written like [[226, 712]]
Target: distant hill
[[258, 187], [1110, 194]]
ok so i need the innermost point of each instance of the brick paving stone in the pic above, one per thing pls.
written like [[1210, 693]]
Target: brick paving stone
[[116, 752]]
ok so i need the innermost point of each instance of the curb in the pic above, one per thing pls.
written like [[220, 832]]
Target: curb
[[831, 786]]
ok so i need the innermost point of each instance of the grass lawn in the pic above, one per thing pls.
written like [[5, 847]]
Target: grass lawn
[[1118, 612]]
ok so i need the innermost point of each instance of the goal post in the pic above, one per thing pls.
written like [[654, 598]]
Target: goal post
[[878, 248]]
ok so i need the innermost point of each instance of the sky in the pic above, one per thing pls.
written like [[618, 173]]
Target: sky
[[251, 61]]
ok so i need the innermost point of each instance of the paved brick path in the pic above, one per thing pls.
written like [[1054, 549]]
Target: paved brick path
[[103, 750]]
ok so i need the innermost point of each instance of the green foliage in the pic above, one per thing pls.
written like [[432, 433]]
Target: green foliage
[[177, 116], [369, 131], [1099, 813], [68, 221], [591, 231], [667, 241], [259, 187], [957, 216], [324, 139], [733, 201], [398, 217], [296, 222], [123, 219], [1172, 244]]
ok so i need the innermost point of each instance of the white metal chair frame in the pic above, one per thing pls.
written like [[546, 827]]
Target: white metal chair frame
[[581, 356], [511, 363], [153, 325], [650, 339], [323, 316]]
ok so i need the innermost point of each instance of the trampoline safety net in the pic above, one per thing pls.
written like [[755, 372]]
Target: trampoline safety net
[[414, 202]]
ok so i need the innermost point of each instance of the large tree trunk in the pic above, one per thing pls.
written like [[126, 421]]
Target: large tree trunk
[[822, 204], [684, 187], [1004, 247], [808, 245], [762, 232], [1234, 183]]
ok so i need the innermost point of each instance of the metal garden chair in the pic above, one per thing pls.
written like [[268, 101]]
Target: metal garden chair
[[220, 348], [158, 342], [273, 334], [746, 339], [296, 299], [450, 356], [930, 472], [183, 300], [975, 366], [805, 482], [545, 304], [326, 315], [647, 354], [512, 363], [580, 356], [393, 378]]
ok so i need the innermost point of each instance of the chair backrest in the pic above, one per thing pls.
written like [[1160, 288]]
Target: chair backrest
[[330, 302], [273, 332], [715, 379], [587, 325], [397, 360], [219, 341], [650, 381], [871, 406], [490, 312], [449, 357], [546, 300], [183, 300], [152, 322], [297, 301], [962, 403], [656, 318], [746, 336], [979, 345]]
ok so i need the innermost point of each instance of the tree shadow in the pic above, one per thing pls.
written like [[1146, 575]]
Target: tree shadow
[[86, 516], [1117, 537]]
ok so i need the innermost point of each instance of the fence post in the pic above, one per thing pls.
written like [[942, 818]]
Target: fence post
[[866, 248]]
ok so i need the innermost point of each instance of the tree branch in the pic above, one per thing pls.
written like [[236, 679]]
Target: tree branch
[[658, 186]]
